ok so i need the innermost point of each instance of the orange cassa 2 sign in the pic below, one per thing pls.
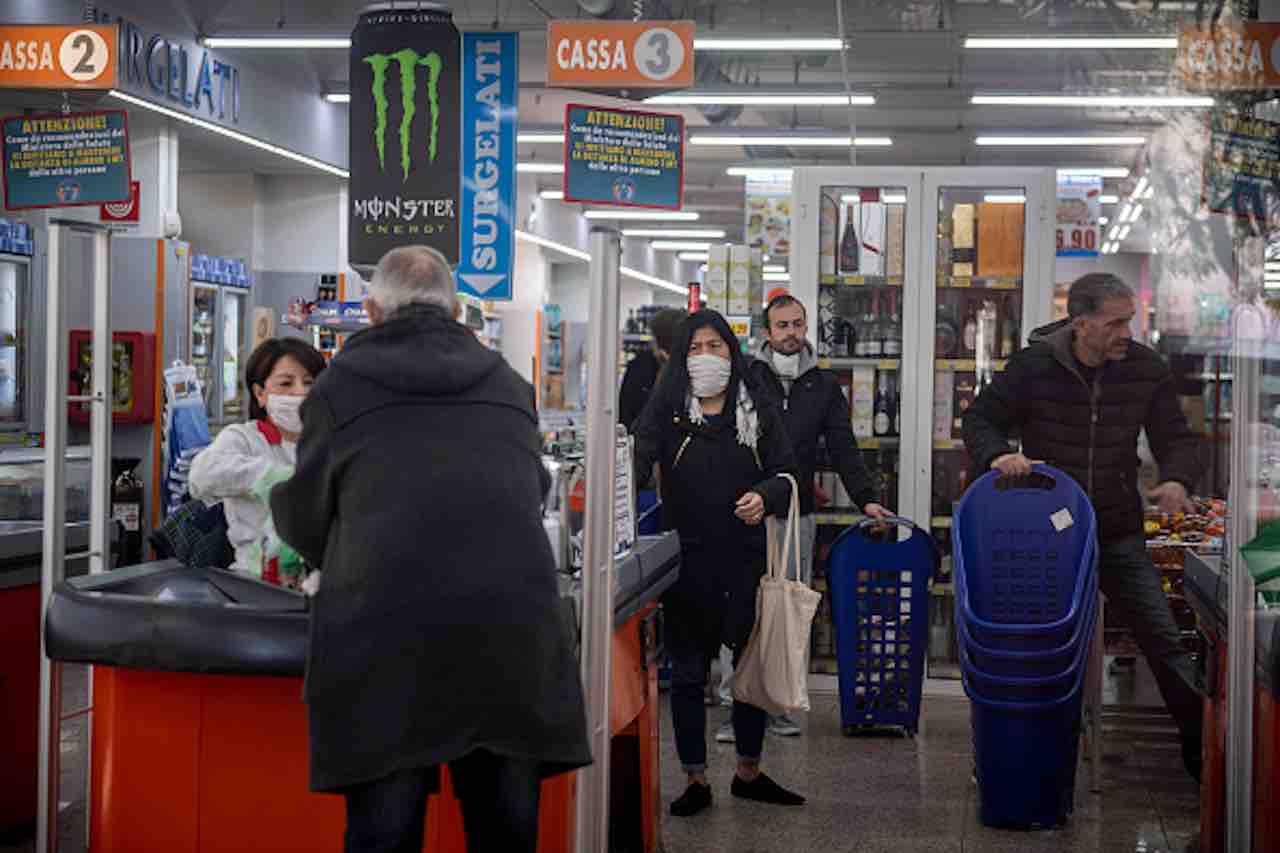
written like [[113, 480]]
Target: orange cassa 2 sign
[[58, 57], [620, 54]]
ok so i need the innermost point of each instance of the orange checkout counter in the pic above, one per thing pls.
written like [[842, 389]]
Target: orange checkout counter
[[200, 732]]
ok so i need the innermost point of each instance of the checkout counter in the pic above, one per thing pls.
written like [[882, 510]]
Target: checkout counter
[[1207, 590], [200, 738]]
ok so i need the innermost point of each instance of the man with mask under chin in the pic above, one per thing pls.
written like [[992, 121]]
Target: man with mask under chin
[[813, 408]]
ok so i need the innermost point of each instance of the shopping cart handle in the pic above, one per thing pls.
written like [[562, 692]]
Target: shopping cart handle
[[869, 521]]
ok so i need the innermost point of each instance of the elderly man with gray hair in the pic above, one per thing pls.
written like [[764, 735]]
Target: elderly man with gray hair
[[1078, 398], [418, 493]]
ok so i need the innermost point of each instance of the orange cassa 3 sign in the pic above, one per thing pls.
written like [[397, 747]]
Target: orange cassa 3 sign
[[620, 54], [58, 57]]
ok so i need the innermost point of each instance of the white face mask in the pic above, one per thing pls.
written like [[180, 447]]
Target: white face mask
[[787, 365], [708, 375], [283, 410]]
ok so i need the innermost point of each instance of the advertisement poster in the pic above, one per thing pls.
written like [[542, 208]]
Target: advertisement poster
[[1242, 168], [406, 86], [1079, 207], [623, 157], [768, 223], [490, 94], [66, 160]]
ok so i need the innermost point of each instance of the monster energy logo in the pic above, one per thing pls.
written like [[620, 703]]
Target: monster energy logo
[[408, 61]]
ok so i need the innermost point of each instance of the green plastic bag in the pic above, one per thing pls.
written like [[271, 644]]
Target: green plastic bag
[[1262, 556]]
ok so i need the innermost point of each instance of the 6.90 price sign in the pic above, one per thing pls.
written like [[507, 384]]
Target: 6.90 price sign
[[1079, 207], [1078, 239]]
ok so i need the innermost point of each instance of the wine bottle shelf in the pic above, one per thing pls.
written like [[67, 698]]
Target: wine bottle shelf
[[967, 365], [878, 363], [947, 281], [878, 442], [863, 280], [948, 444], [841, 519], [940, 522]]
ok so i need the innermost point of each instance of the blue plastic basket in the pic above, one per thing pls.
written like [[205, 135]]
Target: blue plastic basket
[[1025, 754], [880, 610], [1039, 688], [1017, 573]]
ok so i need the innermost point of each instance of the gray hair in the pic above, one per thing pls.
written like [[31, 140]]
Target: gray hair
[[1089, 292], [413, 275]]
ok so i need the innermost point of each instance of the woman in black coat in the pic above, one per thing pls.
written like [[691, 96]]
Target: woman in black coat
[[720, 457]]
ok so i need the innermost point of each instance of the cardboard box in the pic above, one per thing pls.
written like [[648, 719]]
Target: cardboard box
[[740, 281], [963, 245], [715, 289], [895, 240], [943, 394]]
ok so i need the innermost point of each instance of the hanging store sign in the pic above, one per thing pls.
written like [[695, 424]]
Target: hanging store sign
[[490, 94], [1079, 208], [57, 57], [1230, 56], [123, 212], [623, 158], [768, 222], [619, 56], [1242, 167], [404, 133], [66, 160]]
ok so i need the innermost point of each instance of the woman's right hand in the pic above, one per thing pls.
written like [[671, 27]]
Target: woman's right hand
[[750, 508]]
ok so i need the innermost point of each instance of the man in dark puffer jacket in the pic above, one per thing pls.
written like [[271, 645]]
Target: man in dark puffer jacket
[[1078, 397]]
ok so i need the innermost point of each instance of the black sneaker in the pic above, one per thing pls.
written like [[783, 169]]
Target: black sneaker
[[762, 789], [695, 798]]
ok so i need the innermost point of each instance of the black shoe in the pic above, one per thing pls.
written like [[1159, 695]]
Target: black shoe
[[695, 798], [762, 789], [1191, 756]]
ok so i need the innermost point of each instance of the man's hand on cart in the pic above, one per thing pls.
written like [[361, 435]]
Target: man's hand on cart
[[875, 510], [750, 508], [1172, 497], [1013, 465]]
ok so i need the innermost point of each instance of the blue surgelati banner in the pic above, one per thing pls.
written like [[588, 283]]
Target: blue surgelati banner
[[623, 157], [490, 93], [66, 160]]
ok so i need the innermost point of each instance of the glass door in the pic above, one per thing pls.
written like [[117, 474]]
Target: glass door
[[204, 342], [235, 309], [13, 308], [991, 253]]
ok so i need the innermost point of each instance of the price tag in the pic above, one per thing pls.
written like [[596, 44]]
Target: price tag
[[961, 282], [1079, 234]]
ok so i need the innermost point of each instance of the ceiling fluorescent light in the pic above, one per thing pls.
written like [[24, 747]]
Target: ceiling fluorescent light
[[540, 168], [693, 256], [1115, 229], [1093, 101], [1124, 214], [1005, 198], [761, 99], [338, 97], [781, 277], [785, 44], [668, 215], [774, 268], [1124, 233], [894, 198], [680, 246], [798, 140], [537, 137], [1102, 220], [676, 233], [232, 134], [1072, 43], [1149, 192], [850, 198], [1095, 171], [763, 173], [1108, 199], [1141, 186], [1060, 141], [552, 195], [552, 244], [278, 42], [1137, 211]]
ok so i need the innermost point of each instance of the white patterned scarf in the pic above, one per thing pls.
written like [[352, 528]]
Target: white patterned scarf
[[748, 421]]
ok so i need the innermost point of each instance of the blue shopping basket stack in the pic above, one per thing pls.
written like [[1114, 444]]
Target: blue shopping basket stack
[[1026, 573], [880, 610]]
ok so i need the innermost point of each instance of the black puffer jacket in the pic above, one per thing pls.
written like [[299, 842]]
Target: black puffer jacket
[[1089, 431], [815, 409]]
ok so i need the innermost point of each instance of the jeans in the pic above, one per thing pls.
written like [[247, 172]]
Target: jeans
[[499, 798], [693, 638], [1135, 597]]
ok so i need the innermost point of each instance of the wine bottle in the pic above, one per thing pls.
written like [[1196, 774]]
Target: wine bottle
[[888, 486], [893, 330], [970, 335], [883, 421], [858, 330], [871, 327], [849, 248]]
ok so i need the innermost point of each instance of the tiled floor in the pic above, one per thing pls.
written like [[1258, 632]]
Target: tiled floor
[[891, 795]]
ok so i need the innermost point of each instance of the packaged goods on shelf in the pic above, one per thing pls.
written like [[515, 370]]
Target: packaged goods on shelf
[[895, 240], [1000, 229], [715, 289], [739, 304], [963, 249], [863, 400]]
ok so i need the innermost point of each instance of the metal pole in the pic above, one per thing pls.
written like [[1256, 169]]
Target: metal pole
[[592, 819], [1242, 500], [52, 566], [100, 424]]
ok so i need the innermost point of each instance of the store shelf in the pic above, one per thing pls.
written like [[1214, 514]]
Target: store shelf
[[958, 282], [632, 338], [948, 444], [877, 442], [940, 521], [839, 363], [967, 365], [863, 280], [942, 590], [840, 517], [1211, 377]]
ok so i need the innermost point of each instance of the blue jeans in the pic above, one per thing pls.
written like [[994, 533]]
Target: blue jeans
[[499, 798], [1136, 598]]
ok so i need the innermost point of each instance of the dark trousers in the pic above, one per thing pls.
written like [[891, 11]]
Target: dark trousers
[[1136, 599], [693, 639], [499, 798]]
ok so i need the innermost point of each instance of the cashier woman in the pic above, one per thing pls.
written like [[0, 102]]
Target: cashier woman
[[246, 460]]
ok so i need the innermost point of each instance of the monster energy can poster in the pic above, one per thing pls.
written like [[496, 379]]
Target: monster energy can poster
[[405, 120]]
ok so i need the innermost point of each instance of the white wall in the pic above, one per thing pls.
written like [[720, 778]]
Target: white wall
[[218, 214], [303, 224]]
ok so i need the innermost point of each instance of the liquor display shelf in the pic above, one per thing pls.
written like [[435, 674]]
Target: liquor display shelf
[[862, 280], [940, 521], [974, 283], [967, 365], [838, 362], [948, 444]]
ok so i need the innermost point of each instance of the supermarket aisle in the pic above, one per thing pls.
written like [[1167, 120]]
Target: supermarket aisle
[[903, 796]]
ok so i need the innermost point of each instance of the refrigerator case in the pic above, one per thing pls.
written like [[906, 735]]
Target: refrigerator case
[[17, 394], [219, 331], [922, 282]]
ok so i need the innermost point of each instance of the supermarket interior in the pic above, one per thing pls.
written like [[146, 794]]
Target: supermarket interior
[[187, 180]]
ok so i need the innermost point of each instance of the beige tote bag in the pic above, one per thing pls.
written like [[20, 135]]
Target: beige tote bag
[[773, 671]]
